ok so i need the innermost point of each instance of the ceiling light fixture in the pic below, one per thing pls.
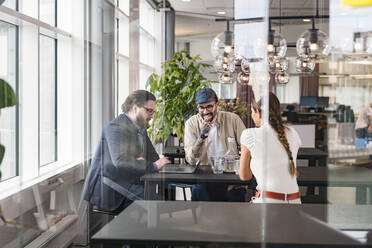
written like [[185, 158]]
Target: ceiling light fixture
[[186, 1], [306, 20], [276, 50], [304, 64], [223, 51], [221, 12], [313, 43], [282, 77]]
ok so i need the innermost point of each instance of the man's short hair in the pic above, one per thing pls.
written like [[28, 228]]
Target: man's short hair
[[205, 95], [137, 97]]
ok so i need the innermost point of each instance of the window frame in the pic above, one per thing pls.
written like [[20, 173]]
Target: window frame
[[39, 173], [55, 40], [16, 90]]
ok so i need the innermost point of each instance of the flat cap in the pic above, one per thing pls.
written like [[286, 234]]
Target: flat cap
[[205, 95]]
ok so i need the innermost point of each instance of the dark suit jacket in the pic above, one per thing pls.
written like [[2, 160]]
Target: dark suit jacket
[[115, 172]]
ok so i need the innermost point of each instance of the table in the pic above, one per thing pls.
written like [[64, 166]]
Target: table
[[331, 176], [235, 224], [311, 154]]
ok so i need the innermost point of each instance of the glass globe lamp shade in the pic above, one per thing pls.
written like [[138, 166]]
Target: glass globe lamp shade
[[282, 77], [237, 59], [245, 66], [313, 43], [223, 44], [277, 65], [225, 78], [304, 64], [277, 45], [228, 66], [243, 78], [218, 63]]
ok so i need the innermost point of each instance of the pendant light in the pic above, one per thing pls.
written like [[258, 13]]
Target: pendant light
[[313, 43], [223, 51], [276, 45]]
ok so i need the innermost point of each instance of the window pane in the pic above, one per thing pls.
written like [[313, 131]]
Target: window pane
[[123, 81], [147, 15], [48, 101], [10, 4], [123, 43], [124, 6], [48, 11], [8, 120], [145, 73], [147, 46]]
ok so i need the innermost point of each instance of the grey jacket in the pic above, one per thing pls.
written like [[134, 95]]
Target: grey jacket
[[115, 172]]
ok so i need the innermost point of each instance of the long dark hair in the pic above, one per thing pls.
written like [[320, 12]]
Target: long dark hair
[[276, 122]]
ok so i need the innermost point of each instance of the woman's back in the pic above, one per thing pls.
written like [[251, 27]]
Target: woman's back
[[266, 149]]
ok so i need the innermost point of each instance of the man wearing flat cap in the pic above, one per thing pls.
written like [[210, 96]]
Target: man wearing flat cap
[[210, 126]]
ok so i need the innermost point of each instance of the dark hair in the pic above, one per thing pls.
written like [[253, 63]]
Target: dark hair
[[137, 97], [276, 122]]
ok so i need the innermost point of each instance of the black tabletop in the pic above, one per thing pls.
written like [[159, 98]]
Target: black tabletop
[[232, 224], [303, 153], [345, 176], [311, 153]]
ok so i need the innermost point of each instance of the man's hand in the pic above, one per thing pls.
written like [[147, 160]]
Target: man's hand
[[161, 162], [205, 130]]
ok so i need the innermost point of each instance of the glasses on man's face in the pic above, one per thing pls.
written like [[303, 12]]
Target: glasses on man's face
[[208, 107], [150, 111]]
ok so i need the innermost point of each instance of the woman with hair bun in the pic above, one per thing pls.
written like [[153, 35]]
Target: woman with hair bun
[[276, 145]]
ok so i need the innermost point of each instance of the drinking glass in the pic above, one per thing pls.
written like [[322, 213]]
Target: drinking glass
[[236, 166], [217, 164]]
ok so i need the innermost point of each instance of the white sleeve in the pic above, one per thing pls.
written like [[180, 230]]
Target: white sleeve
[[248, 138]]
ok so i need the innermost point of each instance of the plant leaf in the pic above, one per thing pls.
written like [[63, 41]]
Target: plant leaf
[[2, 152], [7, 96], [175, 90]]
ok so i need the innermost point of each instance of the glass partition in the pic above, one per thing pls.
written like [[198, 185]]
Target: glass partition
[[254, 132]]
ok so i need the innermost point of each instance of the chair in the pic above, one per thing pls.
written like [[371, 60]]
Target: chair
[[98, 218], [101, 211], [172, 186]]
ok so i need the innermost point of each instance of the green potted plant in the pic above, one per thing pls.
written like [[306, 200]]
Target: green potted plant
[[7, 99], [175, 90]]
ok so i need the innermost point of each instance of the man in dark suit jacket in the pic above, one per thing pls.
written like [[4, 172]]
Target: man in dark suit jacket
[[124, 154]]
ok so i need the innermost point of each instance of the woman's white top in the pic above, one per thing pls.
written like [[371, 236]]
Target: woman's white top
[[269, 159]]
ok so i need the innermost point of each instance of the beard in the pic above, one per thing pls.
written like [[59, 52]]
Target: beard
[[142, 121], [209, 116]]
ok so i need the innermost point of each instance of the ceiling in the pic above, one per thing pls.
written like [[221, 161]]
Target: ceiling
[[197, 17]]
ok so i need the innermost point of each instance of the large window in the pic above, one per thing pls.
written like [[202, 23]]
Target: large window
[[122, 53], [44, 132], [138, 50], [149, 47], [8, 118], [48, 101], [10, 4], [48, 12]]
